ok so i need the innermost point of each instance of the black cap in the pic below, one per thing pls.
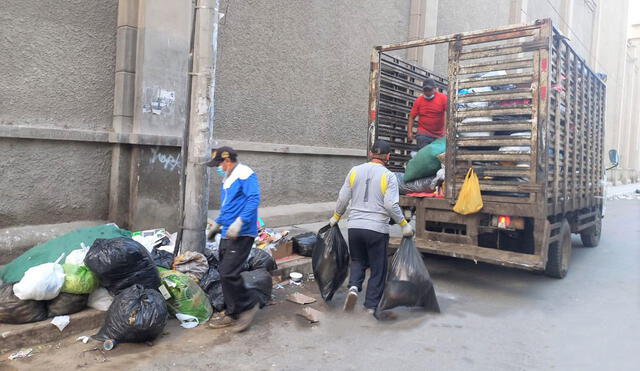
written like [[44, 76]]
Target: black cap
[[380, 147], [429, 84], [220, 154]]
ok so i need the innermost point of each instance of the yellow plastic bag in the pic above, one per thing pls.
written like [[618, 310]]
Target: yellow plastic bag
[[469, 199]]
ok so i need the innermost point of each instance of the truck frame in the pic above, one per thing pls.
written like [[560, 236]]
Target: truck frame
[[526, 112]]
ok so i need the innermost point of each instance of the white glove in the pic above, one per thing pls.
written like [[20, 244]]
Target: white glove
[[215, 228], [407, 230], [234, 228], [334, 219]]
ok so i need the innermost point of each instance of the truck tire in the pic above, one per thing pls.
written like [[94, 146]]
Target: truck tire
[[560, 253], [591, 236]]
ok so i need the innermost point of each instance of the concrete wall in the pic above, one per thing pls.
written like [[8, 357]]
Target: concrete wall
[[297, 73], [57, 72]]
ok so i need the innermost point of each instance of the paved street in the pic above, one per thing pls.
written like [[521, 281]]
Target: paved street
[[493, 318]]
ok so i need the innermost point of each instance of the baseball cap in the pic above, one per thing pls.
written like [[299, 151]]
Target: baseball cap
[[380, 147], [429, 84], [218, 155]]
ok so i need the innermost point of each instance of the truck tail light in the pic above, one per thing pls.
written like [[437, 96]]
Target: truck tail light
[[507, 222]]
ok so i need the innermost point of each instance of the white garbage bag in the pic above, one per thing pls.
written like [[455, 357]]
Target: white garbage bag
[[100, 299], [76, 257], [42, 282]]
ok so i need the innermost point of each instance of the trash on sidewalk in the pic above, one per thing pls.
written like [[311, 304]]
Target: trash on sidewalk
[[16, 311], [258, 280], [22, 353], [295, 276], [161, 258], [84, 339], [42, 282], [408, 281], [49, 251], [187, 321], [303, 243], [60, 322], [301, 299], [212, 286], [191, 263], [77, 256], [310, 314], [100, 299], [183, 295], [65, 303], [151, 238], [330, 261], [120, 263], [269, 241], [136, 315], [78, 279]]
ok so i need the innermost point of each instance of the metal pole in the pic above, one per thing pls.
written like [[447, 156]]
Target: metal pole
[[196, 198]]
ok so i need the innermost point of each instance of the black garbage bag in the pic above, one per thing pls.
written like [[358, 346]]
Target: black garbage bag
[[330, 260], [16, 311], [408, 282], [120, 263], [260, 259], [422, 185], [162, 258], [303, 243], [260, 281], [136, 315], [66, 303], [212, 286]]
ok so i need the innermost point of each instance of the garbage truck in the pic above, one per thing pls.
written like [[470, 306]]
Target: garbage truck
[[526, 112]]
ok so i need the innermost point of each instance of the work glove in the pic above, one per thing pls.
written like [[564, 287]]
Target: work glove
[[407, 230], [215, 228], [334, 219], [234, 228]]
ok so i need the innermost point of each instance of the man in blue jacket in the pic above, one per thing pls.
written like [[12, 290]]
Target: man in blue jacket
[[239, 200]]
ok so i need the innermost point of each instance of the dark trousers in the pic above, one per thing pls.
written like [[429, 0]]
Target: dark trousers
[[423, 140], [368, 250], [233, 254]]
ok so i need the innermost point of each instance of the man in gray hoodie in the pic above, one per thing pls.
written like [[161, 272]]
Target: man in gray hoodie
[[373, 192]]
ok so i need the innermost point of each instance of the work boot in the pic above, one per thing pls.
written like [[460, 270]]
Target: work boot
[[352, 299], [221, 322], [246, 318]]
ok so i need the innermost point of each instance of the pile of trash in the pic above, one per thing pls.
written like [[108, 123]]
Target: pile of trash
[[133, 276]]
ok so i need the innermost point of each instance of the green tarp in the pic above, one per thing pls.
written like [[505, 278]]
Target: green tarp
[[51, 250]]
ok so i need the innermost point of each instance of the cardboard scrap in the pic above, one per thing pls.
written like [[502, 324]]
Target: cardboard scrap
[[310, 314], [299, 298]]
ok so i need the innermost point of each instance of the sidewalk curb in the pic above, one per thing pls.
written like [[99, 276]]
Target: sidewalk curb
[[13, 337]]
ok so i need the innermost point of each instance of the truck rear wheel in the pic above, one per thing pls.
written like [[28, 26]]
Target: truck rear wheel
[[560, 253], [591, 236]]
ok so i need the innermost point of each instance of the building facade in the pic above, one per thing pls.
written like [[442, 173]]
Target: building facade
[[93, 98]]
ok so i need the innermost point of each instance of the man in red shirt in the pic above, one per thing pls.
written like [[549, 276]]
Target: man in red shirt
[[430, 108]]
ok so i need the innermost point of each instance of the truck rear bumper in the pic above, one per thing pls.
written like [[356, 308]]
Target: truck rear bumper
[[478, 254]]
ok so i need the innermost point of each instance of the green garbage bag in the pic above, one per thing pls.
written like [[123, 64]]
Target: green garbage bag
[[184, 296], [51, 250], [78, 279], [425, 163]]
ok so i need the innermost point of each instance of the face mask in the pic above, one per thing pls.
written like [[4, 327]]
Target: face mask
[[430, 97], [221, 171]]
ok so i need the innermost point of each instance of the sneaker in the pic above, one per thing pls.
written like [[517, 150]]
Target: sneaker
[[246, 318], [370, 310], [352, 299], [221, 322]]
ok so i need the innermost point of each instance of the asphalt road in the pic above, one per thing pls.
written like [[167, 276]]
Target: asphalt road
[[493, 318]]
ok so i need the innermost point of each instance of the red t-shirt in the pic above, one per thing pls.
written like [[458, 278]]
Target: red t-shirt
[[431, 115]]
